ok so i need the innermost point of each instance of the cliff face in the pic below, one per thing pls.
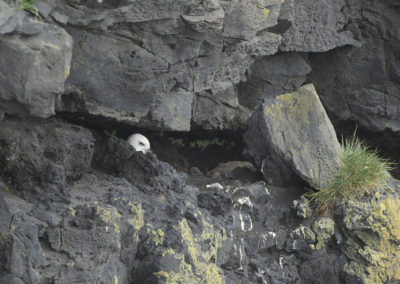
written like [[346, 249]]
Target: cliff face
[[77, 205]]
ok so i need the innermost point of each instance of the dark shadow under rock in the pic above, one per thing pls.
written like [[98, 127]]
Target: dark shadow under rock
[[115, 156]]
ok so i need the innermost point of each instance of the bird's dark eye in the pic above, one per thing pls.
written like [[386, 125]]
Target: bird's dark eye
[[141, 143]]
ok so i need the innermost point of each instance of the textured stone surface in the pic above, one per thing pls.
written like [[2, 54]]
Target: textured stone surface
[[163, 56], [247, 17], [302, 208], [175, 111], [296, 128], [178, 66], [271, 76], [324, 229], [228, 114], [317, 26], [40, 152], [376, 223], [34, 64], [234, 170], [301, 239], [8, 18], [363, 83], [135, 219]]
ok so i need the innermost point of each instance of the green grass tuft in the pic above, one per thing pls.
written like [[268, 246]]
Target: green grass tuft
[[5, 188], [27, 5], [362, 171]]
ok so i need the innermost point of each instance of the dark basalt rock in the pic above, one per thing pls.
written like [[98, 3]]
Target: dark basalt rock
[[116, 156], [35, 60], [44, 153], [363, 83], [135, 220], [77, 207], [217, 202]]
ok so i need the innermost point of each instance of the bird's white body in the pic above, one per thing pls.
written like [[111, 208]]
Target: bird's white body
[[139, 142]]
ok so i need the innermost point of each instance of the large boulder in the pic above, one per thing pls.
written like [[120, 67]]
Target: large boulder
[[295, 129], [34, 63]]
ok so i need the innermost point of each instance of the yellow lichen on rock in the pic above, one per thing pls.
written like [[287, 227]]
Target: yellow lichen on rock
[[72, 210], [380, 253], [157, 237], [137, 219], [385, 254], [199, 258], [163, 275], [266, 13], [324, 229], [294, 105], [110, 215], [67, 71], [199, 265], [185, 273]]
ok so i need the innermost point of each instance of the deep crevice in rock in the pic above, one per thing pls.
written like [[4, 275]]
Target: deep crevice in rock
[[183, 150]]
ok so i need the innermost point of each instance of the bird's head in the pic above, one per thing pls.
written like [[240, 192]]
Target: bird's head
[[139, 142]]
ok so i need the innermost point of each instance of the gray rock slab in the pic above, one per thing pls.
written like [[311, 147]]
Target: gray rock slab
[[227, 114], [297, 129], [174, 112], [34, 64], [363, 84], [120, 83], [248, 17], [133, 62], [316, 26], [9, 18], [273, 75]]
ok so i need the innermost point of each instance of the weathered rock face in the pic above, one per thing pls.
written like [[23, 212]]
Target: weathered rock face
[[125, 217], [116, 157], [44, 153], [34, 62], [166, 57], [100, 228], [271, 76], [371, 231], [363, 83], [228, 114], [135, 219], [316, 26], [296, 129]]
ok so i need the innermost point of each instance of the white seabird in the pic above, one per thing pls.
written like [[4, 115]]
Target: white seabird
[[139, 142]]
